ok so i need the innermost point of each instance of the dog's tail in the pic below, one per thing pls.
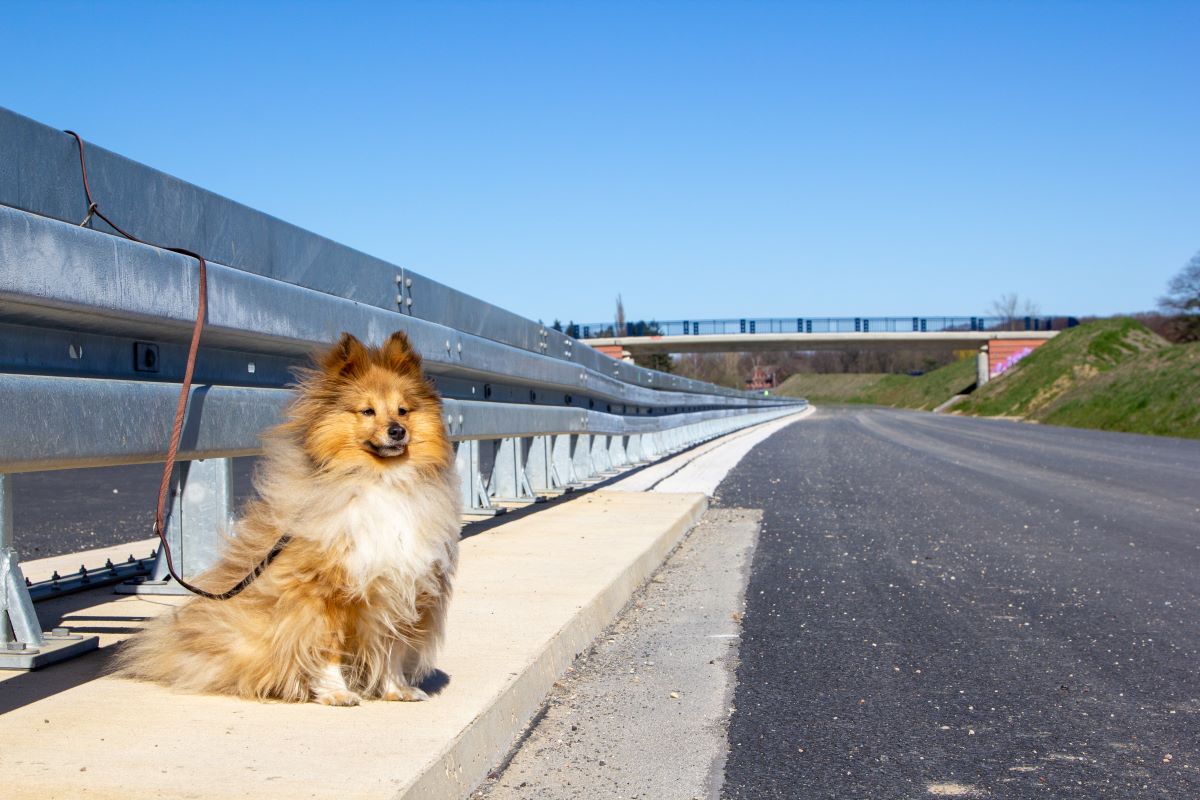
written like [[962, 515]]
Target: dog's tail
[[212, 647]]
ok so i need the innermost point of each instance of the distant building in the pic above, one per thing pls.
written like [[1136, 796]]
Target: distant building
[[763, 378]]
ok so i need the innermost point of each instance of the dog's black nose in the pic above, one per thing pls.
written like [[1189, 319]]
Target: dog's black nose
[[397, 432]]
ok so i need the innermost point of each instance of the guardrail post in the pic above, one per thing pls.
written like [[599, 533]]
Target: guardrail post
[[600, 461], [616, 452], [509, 481], [19, 623], [200, 514], [564, 466], [471, 480], [581, 456], [542, 469], [633, 449], [685, 436], [475, 498], [23, 645], [651, 446]]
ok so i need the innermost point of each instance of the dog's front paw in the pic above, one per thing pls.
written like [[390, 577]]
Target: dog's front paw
[[405, 694], [341, 697]]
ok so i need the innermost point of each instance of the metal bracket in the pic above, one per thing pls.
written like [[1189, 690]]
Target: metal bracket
[[510, 482], [23, 644], [404, 298], [200, 514], [543, 470], [475, 499]]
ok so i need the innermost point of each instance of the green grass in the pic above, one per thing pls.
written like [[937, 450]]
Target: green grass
[[1111, 374], [923, 391], [1057, 368], [830, 388], [1156, 393], [926, 391]]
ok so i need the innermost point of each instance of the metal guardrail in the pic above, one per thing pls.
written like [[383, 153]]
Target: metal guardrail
[[39, 173], [709, 327], [93, 332]]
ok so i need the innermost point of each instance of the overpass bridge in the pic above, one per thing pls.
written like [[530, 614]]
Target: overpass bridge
[[1001, 342], [816, 333]]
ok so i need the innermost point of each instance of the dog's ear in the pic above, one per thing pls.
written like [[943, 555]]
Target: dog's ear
[[347, 357], [400, 355]]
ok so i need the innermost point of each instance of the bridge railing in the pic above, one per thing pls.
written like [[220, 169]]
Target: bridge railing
[[756, 325], [93, 339]]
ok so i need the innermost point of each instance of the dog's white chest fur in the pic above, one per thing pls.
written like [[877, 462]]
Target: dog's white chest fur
[[392, 531]]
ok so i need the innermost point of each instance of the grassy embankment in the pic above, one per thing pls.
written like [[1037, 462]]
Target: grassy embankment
[[1111, 374], [831, 388], [925, 391]]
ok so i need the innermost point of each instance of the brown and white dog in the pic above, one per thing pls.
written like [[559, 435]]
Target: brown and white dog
[[361, 476]]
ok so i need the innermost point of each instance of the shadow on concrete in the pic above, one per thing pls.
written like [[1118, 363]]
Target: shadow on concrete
[[27, 688], [435, 682]]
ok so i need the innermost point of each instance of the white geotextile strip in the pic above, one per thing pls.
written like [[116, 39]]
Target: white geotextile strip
[[703, 469]]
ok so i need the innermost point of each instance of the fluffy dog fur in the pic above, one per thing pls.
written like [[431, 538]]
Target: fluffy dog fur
[[355, 605]]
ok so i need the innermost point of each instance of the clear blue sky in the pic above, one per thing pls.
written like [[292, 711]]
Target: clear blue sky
[[703, 159]]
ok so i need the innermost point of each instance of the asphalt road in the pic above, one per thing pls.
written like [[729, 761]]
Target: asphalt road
[[942, 606], [642, 714]]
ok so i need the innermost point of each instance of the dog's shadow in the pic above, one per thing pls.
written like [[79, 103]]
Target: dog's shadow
[[434, 683]]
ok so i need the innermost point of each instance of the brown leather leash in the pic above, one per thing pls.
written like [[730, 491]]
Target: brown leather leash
[[181, 407]]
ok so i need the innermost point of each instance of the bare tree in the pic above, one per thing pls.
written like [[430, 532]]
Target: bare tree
[[1005, 306], [1183, 301], [1010, 308]]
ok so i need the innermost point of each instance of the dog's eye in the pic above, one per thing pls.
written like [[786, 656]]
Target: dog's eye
[[402, 411], [368, 412]]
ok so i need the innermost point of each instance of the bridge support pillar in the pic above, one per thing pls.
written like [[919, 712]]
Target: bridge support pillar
[[981, 369]]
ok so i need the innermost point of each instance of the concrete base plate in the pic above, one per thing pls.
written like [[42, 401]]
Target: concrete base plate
[[517, 502], [167, 587], [471, 514], [56, 647]]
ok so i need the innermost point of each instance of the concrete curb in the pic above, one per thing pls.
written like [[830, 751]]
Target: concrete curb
[[481, 747]]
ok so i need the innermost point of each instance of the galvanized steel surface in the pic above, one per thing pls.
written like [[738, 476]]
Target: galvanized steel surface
[[59, 276], [39, 173], [62, 423]]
